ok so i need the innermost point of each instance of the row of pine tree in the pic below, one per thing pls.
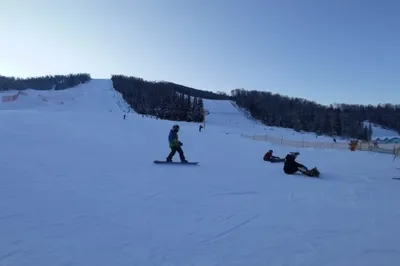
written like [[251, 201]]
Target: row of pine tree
[[170, 101]]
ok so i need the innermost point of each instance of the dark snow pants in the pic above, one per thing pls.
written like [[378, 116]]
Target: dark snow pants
[[293, 168], [275, 159], [173, 151]]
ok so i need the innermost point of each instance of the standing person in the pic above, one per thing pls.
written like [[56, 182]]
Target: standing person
[[175, 145]]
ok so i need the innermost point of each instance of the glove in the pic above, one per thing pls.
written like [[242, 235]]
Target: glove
[[180, 143]]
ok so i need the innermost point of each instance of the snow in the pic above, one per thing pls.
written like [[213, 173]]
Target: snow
[[82, 98], [234, 120], [78, 187], [380, 132]]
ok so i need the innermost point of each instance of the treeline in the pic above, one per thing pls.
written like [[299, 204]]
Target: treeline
[[58, 82], [194, 92], [167, 100], [162, 99], [303, 115]]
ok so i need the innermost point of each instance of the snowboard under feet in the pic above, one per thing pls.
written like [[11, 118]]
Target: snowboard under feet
[[165, 162], [312, 173]]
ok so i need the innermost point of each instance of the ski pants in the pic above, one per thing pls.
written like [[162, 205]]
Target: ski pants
[[293, 168], [274, 159], [173, 151]]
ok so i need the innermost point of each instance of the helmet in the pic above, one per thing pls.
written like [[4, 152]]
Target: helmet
[[175, 128], [271, 151]]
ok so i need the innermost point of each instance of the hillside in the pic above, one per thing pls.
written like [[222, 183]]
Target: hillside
[[171, 101], [231, 119], [85, 98], [58, 82], [380, 132], [79, 188], [160, 99]]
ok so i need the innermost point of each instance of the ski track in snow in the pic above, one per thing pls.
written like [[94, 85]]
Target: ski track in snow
[[230, 230], [79, 187]]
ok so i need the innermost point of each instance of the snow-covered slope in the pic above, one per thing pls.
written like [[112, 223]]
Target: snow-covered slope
[[97, 95], [233, 119], [78, 187], [224, 115], [379, 132]]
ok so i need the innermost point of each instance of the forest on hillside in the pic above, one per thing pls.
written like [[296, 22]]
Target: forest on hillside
[[163, 100], [167, 100], [303, 115], [170, 101], [58, 82]]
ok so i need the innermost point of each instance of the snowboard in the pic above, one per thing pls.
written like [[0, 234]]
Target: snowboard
[[311, 173], [165, 162]]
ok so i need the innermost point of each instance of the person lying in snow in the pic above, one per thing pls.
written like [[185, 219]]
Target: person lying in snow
[[268, 157], [291, 166]]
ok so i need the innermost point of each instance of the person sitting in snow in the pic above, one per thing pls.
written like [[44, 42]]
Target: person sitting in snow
[[175, 145], [268, 157], [291, 166]]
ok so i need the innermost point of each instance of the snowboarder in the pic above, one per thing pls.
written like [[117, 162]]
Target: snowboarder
[[268, 157], [175, 145], [291, 166]]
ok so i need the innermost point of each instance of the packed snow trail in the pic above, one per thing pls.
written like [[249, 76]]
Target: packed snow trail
[[228, 117], [80, 188], [97, 95]]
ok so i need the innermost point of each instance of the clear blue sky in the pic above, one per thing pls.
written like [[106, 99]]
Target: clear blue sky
[[324, 50]]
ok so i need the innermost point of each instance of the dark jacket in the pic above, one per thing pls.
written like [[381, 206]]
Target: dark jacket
[[173, 139], [267, 156], [291, 166]]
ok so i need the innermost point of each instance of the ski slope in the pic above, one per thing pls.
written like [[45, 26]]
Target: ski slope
[[230, 118], [380, 132], [78, 187], [96, 96]]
